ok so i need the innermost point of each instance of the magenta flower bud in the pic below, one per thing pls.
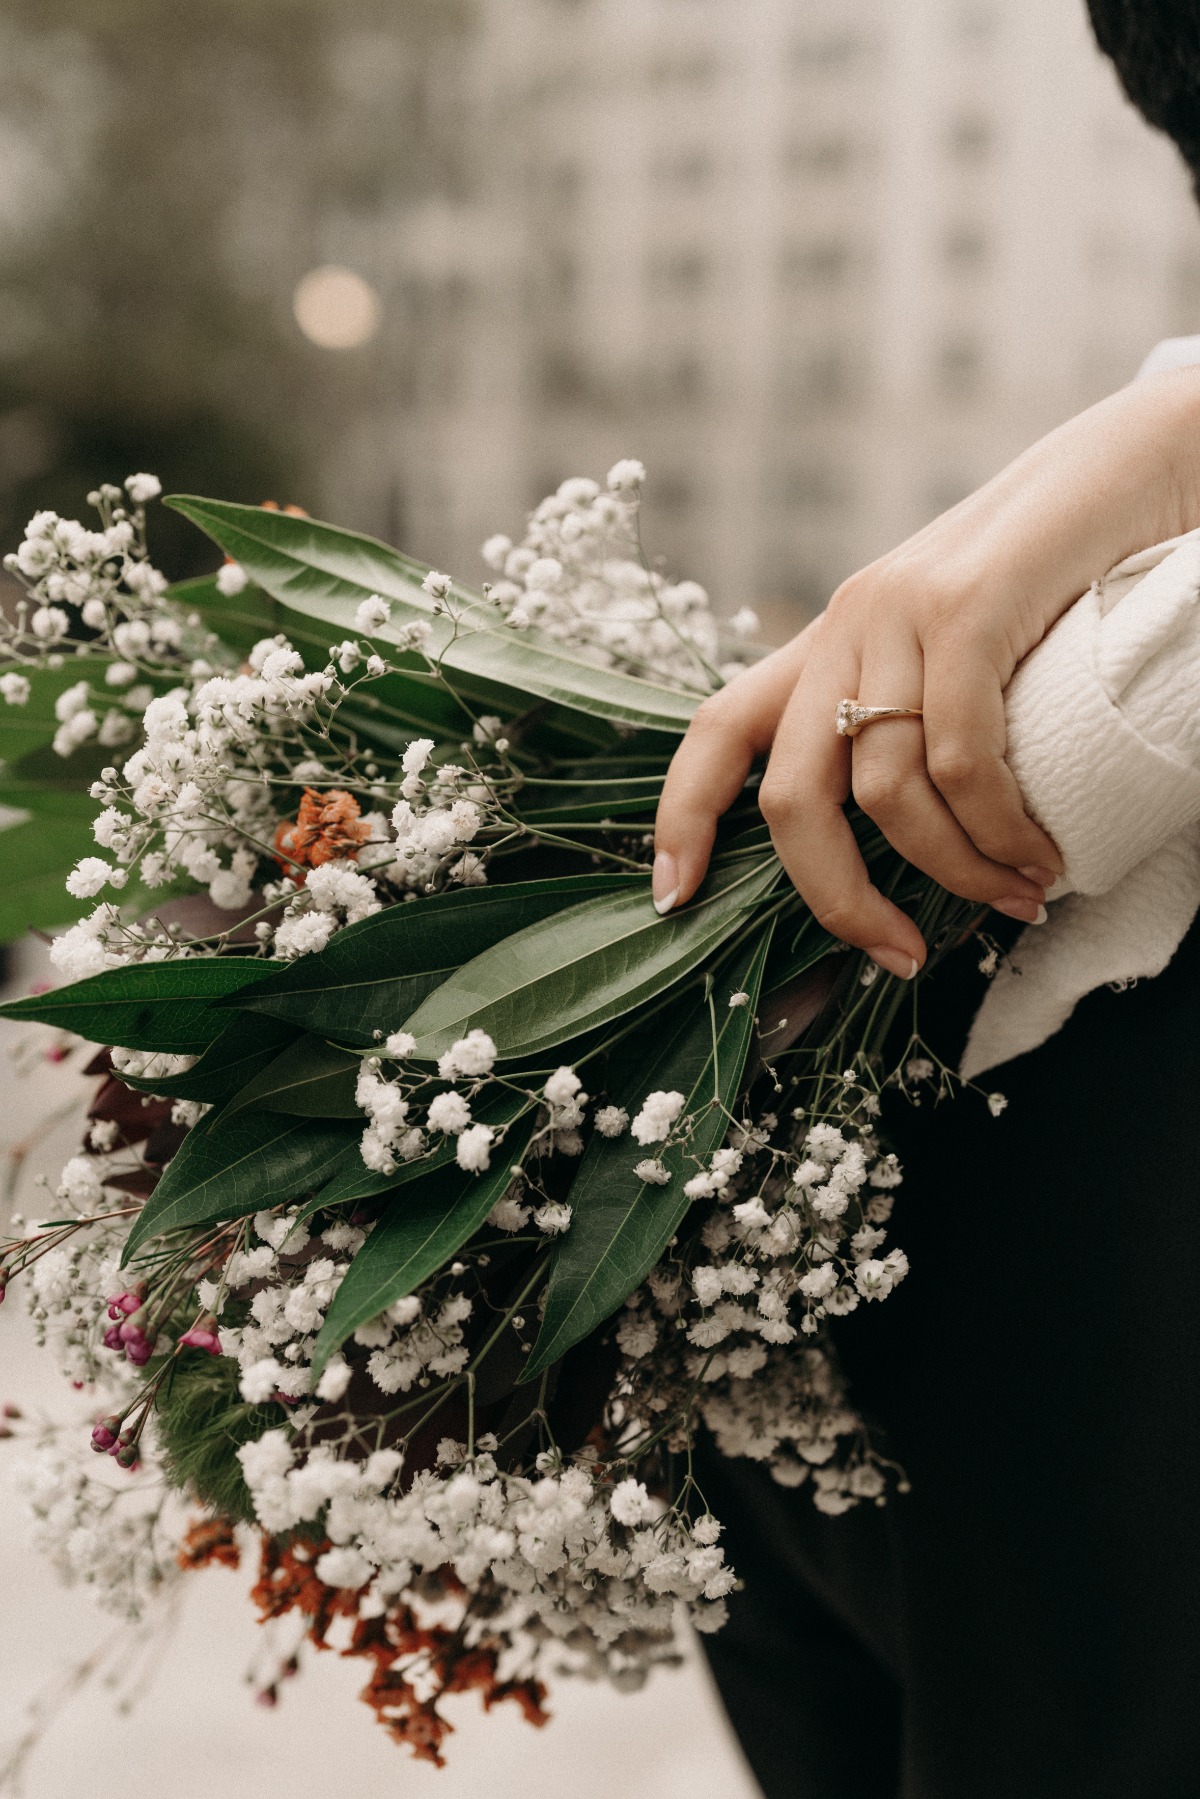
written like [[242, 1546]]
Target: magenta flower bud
[[139, 1353], [127, 1455], [102, 1438], [112, 1337], [129, 1302], [200, 1338]]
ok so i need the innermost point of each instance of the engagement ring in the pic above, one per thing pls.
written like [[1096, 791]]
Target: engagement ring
[[851, 718]]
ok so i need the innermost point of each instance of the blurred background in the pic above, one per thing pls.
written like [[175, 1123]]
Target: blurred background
[[825, 265]]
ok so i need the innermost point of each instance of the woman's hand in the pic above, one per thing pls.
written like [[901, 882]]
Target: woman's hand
[[939, 624]]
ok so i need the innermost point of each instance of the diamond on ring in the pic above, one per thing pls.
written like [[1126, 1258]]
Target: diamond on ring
[[850, 718]]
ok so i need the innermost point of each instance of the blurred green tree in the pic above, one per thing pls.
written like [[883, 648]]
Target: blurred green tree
[[171, 171]]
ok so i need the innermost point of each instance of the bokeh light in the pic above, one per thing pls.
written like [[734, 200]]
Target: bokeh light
[[337, 308]]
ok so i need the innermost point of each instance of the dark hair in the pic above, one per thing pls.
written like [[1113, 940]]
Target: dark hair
[[1155, 45]]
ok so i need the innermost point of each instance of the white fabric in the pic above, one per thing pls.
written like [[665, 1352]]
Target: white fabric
[[1104, 740]]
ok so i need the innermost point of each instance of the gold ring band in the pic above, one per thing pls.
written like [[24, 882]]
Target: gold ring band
[[851, 718]]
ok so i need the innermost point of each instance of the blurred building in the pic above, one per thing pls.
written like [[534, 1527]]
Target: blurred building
[[823, 264], [825, 267]]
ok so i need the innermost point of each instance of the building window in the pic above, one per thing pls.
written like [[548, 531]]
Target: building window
[[821, 158], [826, 378], [674, 380], [828, 52], [681, 273], [970, 140], [822, 263], [964, 249], [683, 68], [688, 170], [959, 367], [812, 487]]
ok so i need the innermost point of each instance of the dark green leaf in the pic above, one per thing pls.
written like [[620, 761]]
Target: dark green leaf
[[427, 1225], [240, 620], [246, 1045], [316, 569], [39, 850], [620, 1226], [309, 1079], [590, 964], [228, 1168], [160, 1006], [375, 973]]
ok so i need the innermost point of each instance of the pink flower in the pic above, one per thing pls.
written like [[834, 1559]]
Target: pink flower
[[201, 1337]]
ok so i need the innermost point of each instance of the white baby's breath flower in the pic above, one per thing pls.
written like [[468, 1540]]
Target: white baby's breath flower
[[15, 689], [474, 1054], [659, 1112], [142, 488], [652, 1172], [626, 476], [371, 613], [473, 1148], [88, 876], [611, 1120], [232, 579], [496, 550]]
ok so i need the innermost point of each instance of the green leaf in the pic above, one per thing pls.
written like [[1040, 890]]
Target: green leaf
[[352, 1179], [53, 828], [425, 1227], [39, 850], [620, 1226], [245, 1046], [31, 727], [161, 1006], [592, 963], [309, 1079], [230, 1167], [376, 972], [325, 572], [240, 620]]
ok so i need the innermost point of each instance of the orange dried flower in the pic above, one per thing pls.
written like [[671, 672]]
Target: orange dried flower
[[329, 826], [209, 1540], [435, 1659]]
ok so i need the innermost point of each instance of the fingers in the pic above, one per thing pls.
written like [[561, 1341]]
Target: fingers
[[964, 752], [803, 792], [891, 783], [710, 766]]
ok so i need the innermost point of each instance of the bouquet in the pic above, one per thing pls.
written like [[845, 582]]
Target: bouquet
[[436, 1191]]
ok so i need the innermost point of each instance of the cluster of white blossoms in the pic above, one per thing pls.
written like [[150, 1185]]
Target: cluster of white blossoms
[[597, 1565], [116, 1532], [580, 575], [285, 1280], [795, 1236], [220, 755], [401, 1131]]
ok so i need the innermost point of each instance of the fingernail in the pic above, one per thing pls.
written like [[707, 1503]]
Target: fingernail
[[1027, 910], [1045, 877], [894, 961], [664, 882]]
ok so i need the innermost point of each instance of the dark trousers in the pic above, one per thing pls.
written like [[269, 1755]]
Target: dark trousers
[[1026, 1622]]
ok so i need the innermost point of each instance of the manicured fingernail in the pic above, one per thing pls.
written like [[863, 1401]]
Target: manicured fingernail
[[1027, 910], [894, 961], [664, 882], [1045, 877]]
